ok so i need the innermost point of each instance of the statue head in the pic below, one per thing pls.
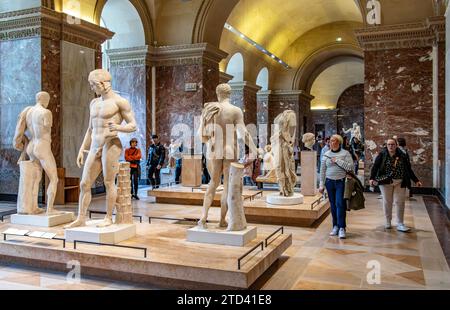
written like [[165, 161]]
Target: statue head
[[100, 81], [355, 125], [268, 148], [43, 98], [223, 92], [309, 139]]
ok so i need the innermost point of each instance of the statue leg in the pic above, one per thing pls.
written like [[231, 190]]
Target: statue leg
[[36, 182], [215, 168], [92, 169], [49, 165], [224, 200], [110, 162]]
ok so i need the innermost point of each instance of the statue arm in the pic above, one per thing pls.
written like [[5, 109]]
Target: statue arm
[[128, 115], [48, 119], [86, 145], [243, 134]]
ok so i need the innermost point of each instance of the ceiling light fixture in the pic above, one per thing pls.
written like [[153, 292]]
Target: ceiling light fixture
[[339, 39], [258, 46]]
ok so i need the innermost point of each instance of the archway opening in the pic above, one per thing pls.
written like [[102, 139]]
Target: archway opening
[[263, 79], [236, 68]]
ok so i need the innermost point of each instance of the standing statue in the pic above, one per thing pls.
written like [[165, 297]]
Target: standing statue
[[355, 132], [309, 139], [268, 159], [217, 118], [283, 150], [38, 121], [174, 152], [102, 143]]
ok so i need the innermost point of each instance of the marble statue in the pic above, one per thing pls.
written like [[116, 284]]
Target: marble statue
[[37, 120], [217, 118], [355, 132], [174, 152], [309, 139], [268, 159], [102, 144], [283, 149]]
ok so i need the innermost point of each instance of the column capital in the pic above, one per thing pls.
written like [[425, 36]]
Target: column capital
[[244, 85], [187, 54], [49, 24], [129, 57], [300, 95], [225, 77]]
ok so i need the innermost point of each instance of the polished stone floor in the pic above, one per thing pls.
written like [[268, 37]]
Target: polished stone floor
[[314, 261]]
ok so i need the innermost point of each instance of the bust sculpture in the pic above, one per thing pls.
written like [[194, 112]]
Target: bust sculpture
[[102, 144], [217, 118], [309, 139], [283, 150], [37, 120]]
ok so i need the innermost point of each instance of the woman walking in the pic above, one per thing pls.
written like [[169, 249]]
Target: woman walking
[[334, 166], [393, 173]]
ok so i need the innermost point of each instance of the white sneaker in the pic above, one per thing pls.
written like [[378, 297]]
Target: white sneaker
[[342, 234], [403, 228], [388, 226], [335, 231]]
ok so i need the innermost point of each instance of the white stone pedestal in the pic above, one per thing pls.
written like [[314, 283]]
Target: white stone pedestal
[[309, 173], [276, 199], [221, 236], [91, 233], [42, 220]]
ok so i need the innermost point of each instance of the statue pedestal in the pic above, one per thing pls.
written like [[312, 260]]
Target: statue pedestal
[[309, 173], [276, 199], [91, 233], [42, 220], [221, 236]]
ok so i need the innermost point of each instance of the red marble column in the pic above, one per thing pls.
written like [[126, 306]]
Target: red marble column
[[186, 78], [325, 120], [398, 102], [244, 96]]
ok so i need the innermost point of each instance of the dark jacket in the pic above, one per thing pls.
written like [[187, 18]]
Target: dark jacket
[[156, 155], [379, 168], [354, 194]]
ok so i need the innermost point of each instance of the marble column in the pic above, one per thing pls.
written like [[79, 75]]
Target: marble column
[[262, 101], [186, 77], [326, 120], [244, 96], [33, 51], [296, 100], [399, 91], [131, 76]]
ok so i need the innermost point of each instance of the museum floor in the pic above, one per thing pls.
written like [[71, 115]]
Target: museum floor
[[314, 261]]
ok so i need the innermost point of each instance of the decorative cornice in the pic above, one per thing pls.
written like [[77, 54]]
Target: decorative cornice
[[51, 25], [284, 95], [188, 54], [225, 77], [411, 35], [129, 57], [244, 86]]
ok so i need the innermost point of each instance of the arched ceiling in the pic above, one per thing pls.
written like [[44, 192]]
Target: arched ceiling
[[334, 80], [276, 24]]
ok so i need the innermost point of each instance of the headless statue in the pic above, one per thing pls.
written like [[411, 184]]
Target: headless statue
[[217, 118], [103, 145], [38, 120], [355, 132]]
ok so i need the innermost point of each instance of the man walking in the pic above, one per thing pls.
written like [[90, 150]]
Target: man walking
[[133, 156]]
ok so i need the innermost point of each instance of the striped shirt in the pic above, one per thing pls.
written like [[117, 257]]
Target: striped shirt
[[331, 171]]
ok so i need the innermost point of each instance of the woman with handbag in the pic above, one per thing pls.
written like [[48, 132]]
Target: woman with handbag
[[334, 166], [393, 173]]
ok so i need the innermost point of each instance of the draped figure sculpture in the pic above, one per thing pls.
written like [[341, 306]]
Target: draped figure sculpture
[[220, 121], [283, 150]]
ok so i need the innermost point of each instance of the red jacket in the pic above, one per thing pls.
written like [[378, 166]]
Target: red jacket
[[132, 155]]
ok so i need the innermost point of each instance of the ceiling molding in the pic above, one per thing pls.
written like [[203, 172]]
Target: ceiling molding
[[412, 35]]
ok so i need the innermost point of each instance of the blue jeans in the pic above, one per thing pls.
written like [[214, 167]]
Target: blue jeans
[[335, 190], [248, 181]]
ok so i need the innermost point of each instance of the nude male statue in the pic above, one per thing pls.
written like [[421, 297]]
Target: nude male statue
[[38, 121], [106, 116], [217, 118]]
